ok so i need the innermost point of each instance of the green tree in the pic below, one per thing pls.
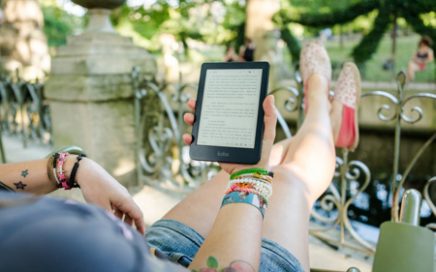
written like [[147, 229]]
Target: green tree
[[58, 24], [388, 12]]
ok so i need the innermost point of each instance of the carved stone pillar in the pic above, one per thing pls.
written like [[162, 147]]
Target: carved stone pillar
[[91, 96]]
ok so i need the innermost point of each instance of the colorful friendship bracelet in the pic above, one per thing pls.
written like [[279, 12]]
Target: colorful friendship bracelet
[[259, 171], [251, 186], [266, 178], [263, 189], [245, 198], [251, 191], [251, 180]]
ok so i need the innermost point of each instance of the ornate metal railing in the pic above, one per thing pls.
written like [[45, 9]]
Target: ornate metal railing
[[23, 111], [163, 160]]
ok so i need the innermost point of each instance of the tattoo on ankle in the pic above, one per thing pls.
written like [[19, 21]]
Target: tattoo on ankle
[[20, 185], [24, 173], [235, 266]]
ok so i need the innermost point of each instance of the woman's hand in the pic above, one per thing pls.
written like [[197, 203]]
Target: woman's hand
[[270, 120], [100, 188]]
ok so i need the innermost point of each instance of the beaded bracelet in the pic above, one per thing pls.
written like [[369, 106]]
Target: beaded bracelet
[[60, 162], [252, 180], [262, 188], [265, 189], [247, 198]]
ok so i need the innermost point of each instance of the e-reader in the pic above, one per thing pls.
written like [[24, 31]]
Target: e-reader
[[228, 125]]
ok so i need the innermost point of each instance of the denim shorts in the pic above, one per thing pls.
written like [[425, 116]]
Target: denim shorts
[[179, 243]]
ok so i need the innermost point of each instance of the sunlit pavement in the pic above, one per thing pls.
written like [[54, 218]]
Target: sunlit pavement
[[155, 204]]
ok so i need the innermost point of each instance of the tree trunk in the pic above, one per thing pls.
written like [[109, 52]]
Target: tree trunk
[[260, 28], [23, 45], [259, 25]]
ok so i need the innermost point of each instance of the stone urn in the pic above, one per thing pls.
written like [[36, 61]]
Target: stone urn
[[99, 4], [99, 11]]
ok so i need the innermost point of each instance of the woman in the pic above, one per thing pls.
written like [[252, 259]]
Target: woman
[[244, 219], [421, 58]]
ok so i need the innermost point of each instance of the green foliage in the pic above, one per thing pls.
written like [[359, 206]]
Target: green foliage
[[185, 20], [419, 26], [292, 44], [331, 17], [388, 12], [58, 24], [234, 22], [145, 22], [369, 43]]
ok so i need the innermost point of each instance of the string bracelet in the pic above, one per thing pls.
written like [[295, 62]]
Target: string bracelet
[[266, 178], [72, 183]]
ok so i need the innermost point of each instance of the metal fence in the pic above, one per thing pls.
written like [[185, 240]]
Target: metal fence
[[24, 112], [163, 160]]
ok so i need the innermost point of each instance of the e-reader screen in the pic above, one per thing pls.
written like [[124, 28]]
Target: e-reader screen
[[229, 108], [229, 116]]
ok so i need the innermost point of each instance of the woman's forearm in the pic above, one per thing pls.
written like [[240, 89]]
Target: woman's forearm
[[31, 176], [234, 240], [28, 177]]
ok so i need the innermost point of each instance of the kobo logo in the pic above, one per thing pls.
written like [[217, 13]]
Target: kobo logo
[[222, 154]]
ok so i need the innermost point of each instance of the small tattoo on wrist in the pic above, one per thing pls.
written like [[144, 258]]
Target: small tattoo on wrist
[[20, 185], [24, 173]]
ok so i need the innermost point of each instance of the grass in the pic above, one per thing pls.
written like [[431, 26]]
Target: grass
[[373, 71]]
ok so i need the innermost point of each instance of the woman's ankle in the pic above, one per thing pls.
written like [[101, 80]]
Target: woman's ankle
[[294, 179]]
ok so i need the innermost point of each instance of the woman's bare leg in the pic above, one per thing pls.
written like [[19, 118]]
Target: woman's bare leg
[[303, 175], [306, 168], [199, 209]]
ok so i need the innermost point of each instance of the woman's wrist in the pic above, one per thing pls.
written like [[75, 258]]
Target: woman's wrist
[[69, 164], [251, 186], [63, 169]]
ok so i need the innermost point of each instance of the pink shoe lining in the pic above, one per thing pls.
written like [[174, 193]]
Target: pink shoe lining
[[347, 134]]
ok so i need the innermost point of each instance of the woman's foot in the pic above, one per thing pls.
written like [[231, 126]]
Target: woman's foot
[[314, 60], [345, 106]]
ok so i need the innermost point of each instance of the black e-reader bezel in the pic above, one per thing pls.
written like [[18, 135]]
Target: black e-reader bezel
[[229, 154]]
